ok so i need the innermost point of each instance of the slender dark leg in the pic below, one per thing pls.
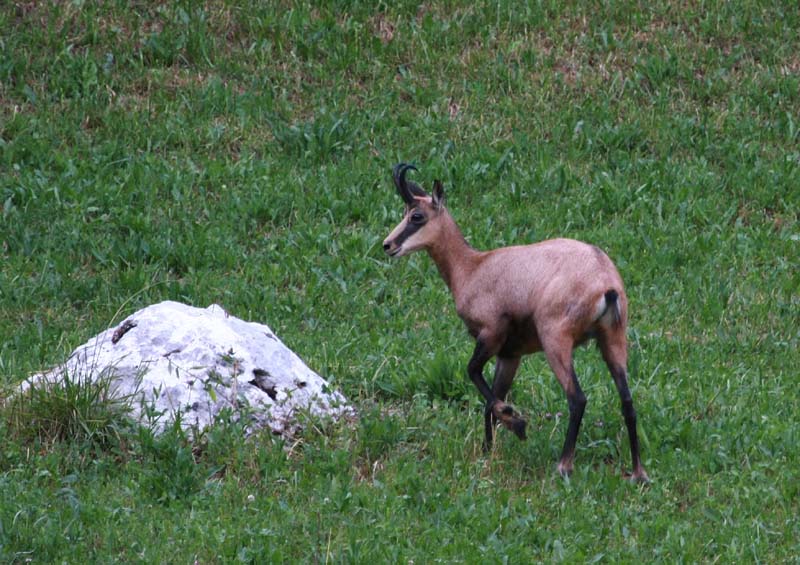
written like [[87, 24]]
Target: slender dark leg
[[613, 346], [629, 414], [505, 370], [558, 350], [480, 356], [576, 401]]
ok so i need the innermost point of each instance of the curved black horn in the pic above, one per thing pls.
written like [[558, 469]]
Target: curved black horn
[[407, 189]]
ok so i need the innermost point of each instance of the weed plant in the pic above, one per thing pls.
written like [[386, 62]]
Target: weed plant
[[240, 153]]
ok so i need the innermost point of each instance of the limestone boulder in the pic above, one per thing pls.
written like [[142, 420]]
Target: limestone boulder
[[170, 359]]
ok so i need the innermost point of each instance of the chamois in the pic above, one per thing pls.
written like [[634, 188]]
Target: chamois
[[549, 296]]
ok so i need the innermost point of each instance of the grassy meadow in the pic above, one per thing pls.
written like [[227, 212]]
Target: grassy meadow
[[239, 153]]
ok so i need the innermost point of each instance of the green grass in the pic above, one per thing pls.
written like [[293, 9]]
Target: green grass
[[240, 153]]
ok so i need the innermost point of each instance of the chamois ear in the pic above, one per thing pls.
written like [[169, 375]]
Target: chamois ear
[[438, 194]]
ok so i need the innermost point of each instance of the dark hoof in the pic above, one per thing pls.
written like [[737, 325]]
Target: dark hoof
[[564, 469], [510, 418], [638, 477]]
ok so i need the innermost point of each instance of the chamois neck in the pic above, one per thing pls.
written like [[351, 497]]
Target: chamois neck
[[452, 254]]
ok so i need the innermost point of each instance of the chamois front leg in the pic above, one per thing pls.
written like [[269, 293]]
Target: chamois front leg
[[504, 373], [480, 356], [495, 408]]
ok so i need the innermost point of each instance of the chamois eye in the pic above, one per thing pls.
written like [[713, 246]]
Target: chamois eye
[[417, 217]]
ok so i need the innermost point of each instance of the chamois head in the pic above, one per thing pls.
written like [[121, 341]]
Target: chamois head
[[418, 228]]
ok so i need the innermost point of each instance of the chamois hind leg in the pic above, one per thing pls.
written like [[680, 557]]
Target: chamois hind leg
[[558, 350], [613, 346], [504, 372]]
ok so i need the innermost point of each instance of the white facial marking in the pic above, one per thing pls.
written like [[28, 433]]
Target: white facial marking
[[410, 244]]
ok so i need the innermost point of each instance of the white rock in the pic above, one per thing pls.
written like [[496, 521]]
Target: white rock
[[177, 358]]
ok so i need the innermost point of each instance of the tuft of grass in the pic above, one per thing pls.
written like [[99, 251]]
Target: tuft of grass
[[74, 409], [444, 379]]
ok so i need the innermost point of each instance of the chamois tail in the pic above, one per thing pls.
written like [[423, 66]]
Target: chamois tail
[[612, 309]]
